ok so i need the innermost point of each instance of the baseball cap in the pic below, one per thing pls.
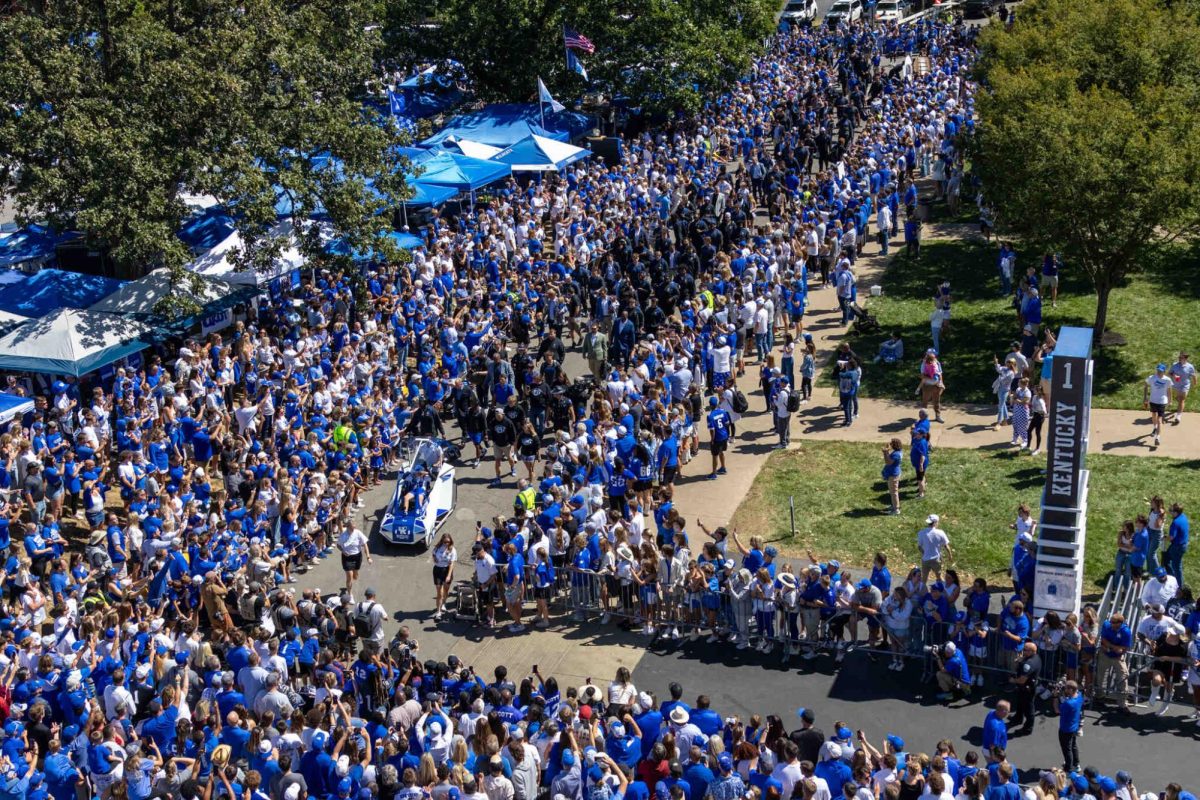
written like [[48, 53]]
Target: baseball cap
[[807, 715], [1161, 367], [844, 733], [932, 519], [1107, 784], [895, 741], [864, 583], [1123, 777], [1161, 572], [725, 762]]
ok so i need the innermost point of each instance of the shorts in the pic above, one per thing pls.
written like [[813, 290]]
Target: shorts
[[475, 438], [930, 393], [351, 563], [932, 565], [1050, 281], [512, 594], [541, 592], [440, 574], [797, 316], [1136, 572], [1158, 408], [717, 447], [720, 379], [529, 459], [642, 486], [668, 475], [920, 473], [502, 452], [1182, 391]]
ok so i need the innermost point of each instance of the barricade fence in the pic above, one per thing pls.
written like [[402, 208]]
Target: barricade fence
[[746, 620]]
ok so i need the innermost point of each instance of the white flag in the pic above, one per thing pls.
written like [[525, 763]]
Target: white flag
[[544, 97]]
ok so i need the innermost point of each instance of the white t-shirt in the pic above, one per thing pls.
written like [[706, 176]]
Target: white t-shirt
[[1160, 388], [352, 542], [932, 541]]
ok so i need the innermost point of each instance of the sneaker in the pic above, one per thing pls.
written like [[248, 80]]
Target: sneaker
[[437, 617], [840, 657], [743, 644], [938, 419], [494, 483], [516, 627], [712, 639], [649, 629], [675, 633], [1156, 440], [712, 476], [1166, 704], [604, 618], [693, 636], [978, 680], [1194, 716], [721, 471], [542, 623]]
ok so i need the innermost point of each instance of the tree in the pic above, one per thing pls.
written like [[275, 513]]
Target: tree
[[122, 106], [662, 54], [1089, 141]]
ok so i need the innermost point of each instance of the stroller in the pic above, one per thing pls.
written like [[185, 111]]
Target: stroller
[[864, 321]]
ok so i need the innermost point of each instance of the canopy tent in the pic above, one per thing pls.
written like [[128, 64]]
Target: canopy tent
[[219, 262], [142, 297], [503, 124], [34, 244], [470, 148], [444, 168], [428, 194], [7, 320], [405, 241], [539, 154], [44, 291], [204, 231], [71, 342], [428, 92], [13, 406]]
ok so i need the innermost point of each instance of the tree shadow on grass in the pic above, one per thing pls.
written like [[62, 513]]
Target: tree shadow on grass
[[1175, 270]]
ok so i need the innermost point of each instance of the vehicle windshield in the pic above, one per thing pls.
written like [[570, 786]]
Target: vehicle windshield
[[840, 7]]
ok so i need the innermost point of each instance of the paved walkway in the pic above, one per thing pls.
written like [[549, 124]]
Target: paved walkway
[[1111, 431]]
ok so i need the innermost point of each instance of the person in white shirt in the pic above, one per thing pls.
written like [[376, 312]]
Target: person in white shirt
[[353, 544], [933, 543], [1155, 396], [1160, 589]]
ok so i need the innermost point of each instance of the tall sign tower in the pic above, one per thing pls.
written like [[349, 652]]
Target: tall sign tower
[[1058, 581]]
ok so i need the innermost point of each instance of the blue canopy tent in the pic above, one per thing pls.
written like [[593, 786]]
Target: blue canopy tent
[[538, 154], [44, 291], [403, 240], [466, 174], [503, 124], [13, 406], [428, 194], [34, 244], [206, 230]]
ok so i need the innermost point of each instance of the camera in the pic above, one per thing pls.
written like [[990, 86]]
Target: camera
[[930, 649]]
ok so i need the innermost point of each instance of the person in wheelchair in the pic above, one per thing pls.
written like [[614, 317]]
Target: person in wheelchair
[[891, 350], [414, 496]]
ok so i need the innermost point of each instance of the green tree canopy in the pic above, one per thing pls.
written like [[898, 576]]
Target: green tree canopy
[[114, 108], [1089, 139], [663, 54]]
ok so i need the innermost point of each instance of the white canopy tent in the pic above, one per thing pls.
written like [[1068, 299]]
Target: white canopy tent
[[143, 295], [219, 262], [71, 342], [538, 154]]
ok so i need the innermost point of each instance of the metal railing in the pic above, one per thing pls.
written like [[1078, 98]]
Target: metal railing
[[736, 617]]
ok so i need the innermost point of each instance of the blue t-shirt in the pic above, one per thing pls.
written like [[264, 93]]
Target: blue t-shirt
[[718, 423], [1070, 711], [892, 468]]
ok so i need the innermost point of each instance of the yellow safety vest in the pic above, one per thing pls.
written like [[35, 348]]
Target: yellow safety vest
[[527, 497]]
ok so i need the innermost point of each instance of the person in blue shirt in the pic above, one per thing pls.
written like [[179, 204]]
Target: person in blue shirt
[[953, 675], [892, 456], [995, 729], [719, 425], [1069, 707], [624, 742], [1178, 536], [1014, 630], [831, 767], [1112, 669], [1008, 789], [164, 713]]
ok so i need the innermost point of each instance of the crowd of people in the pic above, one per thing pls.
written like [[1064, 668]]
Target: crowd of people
[[163, 653]]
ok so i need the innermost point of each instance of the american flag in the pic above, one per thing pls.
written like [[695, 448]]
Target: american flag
[[577, 40]]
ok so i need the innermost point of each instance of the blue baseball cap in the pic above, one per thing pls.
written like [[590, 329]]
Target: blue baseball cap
[[568, 758], [844, 733], [895, 741], [344, 787], [725, 762], [864, 583], [712, 401], [1107, 784]]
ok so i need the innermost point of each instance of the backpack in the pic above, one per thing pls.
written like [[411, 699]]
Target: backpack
[[740, 404], [98, 558], [363, 626], [793, 402]]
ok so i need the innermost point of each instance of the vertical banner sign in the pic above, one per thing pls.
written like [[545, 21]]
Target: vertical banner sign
[[1058, 580]]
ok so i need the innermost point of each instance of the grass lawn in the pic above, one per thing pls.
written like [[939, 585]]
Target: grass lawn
[[1155, 313], [840, 503]]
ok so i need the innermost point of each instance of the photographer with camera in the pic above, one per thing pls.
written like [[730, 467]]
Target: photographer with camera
[[1068, 704], [953, 676], [1026, 671]]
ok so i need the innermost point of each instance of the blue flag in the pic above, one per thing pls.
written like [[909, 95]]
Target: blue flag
[[576, 66], [396, 103]]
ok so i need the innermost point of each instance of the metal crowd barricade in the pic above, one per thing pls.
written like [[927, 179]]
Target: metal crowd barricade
[[676, 612]]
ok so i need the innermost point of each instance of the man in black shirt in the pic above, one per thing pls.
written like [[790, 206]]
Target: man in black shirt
[[502, 434], [808, 739]]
